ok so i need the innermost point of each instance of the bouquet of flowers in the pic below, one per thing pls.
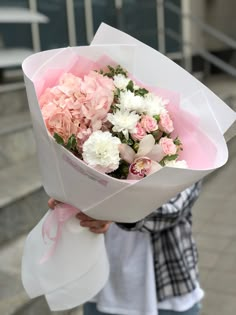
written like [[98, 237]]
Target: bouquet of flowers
[[120, 129], [112, 123]]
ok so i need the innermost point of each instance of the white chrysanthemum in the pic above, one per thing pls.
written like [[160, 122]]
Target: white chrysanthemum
[[101, 151], [124, 121], [177, 164], [154, 105], [120, 81], [131, 102]]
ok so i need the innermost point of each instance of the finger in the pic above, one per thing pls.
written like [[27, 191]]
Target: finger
[[52, 203], [83, 217], [101, 230], [93, 224]]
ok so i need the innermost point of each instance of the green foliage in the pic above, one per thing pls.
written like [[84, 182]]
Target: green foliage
[[58, 138], [130, 86], [72, 143], [114, 71], [122, 171], [141, 92], [168, 158], [177, 141], [129, 141], [136, 147], [157, 117], [171, 157]]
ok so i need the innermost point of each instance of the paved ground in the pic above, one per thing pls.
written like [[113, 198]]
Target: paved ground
[[215, 232]]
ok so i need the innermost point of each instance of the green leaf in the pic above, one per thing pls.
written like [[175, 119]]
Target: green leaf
[[141, 92], [115, 71], [162, 162], [136, 147], [120, 70], [71, 144], [122, 171], [130, 142], [171, 157], [177, 141], [58, 138], [130, 86], [157, 117]]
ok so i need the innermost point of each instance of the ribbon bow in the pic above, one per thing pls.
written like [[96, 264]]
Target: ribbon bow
[[61, 213]]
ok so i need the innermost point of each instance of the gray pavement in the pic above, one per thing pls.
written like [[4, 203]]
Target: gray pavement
[[215, 232]]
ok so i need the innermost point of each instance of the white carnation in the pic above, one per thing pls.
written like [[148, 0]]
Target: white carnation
[[120, 81], [177, 164], [124, 121], [131, 102], [154, 105], [101, 151]]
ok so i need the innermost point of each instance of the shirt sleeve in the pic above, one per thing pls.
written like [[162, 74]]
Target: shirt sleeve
[[167, 215]]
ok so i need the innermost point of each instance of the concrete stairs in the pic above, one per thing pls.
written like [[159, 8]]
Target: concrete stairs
[[23, 202]]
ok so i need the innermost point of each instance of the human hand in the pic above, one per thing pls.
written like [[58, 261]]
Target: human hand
[[95, 226]]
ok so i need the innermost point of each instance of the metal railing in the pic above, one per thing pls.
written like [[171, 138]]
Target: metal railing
[[188, 20], [185, 40]]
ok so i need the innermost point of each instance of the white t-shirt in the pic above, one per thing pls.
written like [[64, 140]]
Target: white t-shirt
[[131, 289]]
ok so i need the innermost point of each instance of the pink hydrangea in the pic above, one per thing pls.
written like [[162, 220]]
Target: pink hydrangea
[[168, 146], [149, 123], [99, 91], [71, 81], [59, 121], [165, 123]]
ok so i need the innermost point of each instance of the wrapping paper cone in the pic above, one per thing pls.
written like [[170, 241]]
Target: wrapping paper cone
[[79, 268]]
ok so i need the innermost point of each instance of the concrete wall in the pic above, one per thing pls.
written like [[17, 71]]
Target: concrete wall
[[198, 10], [221, 15], [217, 13]]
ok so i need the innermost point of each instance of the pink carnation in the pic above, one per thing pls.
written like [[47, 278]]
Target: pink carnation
[[168, 146], [139, 134], [166, 124], [149, 123]]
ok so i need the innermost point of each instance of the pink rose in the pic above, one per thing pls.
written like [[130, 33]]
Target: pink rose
[[139, 134], [166, 124], [149, 123], [168, 146]]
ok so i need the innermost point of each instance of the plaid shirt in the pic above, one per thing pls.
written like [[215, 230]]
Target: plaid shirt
[[174, 250]]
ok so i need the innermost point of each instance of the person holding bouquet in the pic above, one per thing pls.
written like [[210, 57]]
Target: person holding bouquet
[[174, 252]]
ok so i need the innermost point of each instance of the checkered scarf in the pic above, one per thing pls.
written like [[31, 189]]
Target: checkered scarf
[[174, 250]]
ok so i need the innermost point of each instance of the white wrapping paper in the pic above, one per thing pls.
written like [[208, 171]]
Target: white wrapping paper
[[79, 267]]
